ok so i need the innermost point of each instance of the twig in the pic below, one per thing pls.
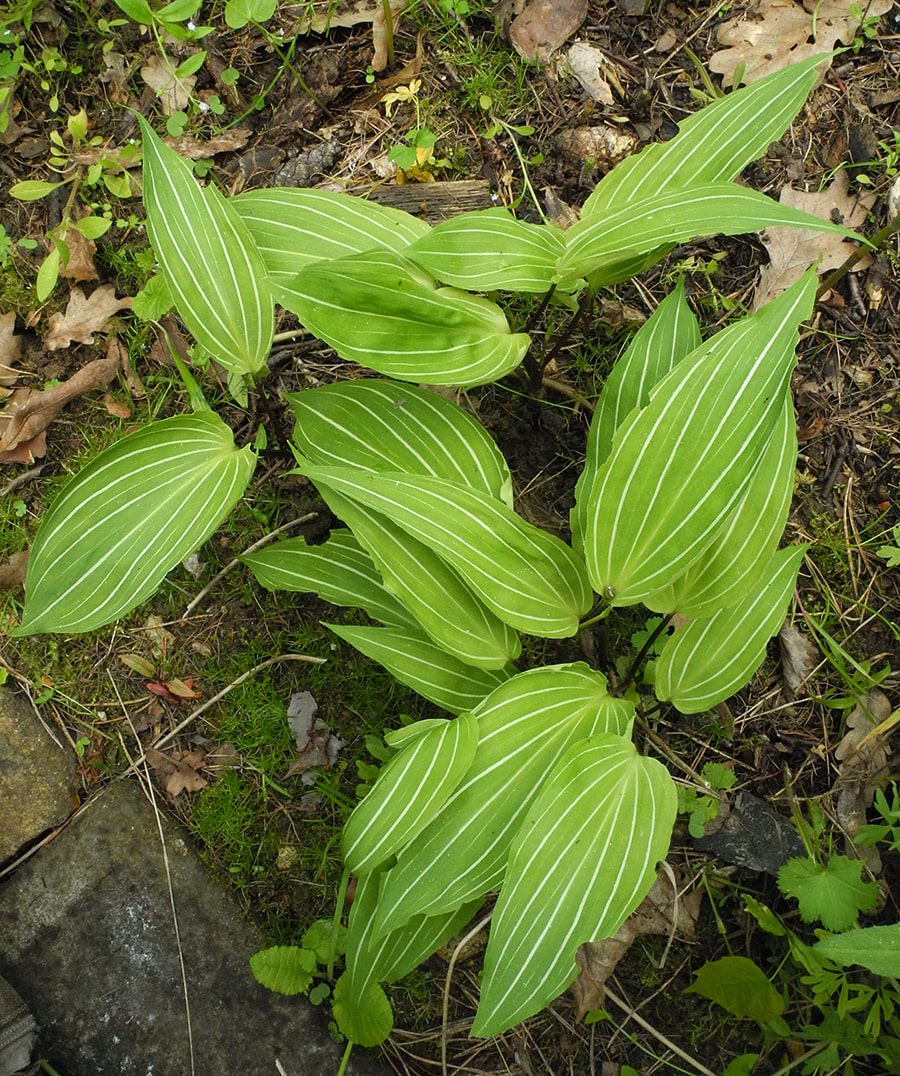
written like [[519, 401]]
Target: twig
[[445, 1010], [658, 1035], [21, 479], [874, 244], [216, 579]]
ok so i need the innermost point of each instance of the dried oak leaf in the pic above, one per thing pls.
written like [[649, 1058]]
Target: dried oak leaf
[[80, 262], [799, 658], [544, 25], [178, 773], [658, 913], [587, 63], [775, 33], [174, 93], [84, 317], [863, 756], [10, 348], [29, 411], [793, 250]]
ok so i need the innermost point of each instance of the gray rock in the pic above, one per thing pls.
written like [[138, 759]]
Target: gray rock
[[752, 835], [37, 777], [87, 938]]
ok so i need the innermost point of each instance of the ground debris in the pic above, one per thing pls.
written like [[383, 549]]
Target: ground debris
[[178, 772], [316, 743], [84, 316]]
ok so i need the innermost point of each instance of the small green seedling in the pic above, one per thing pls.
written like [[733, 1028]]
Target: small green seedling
[[702, 807], [891, 553]]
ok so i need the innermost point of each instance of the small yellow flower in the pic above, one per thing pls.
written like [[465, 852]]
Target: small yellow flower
[[401, 96]]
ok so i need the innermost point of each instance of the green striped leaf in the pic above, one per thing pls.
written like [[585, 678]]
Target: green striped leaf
[[525, 726], [706, 661], [583, 859], [713, 145], [410, 791], [380, 310], [604, 247], [396, 954], [489, 250], [295, 226], [680, 466], [665, 338], [439, 601], [528, 578], [339, 571], [137, 509], [410, 656], [729, 568], [383, 426], [215, 274]]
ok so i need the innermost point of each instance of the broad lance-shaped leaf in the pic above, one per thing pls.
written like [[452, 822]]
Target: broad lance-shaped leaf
[[525, 726], [394, 955], [385, 426], [215, 274], [438, 599], [410, 790], [583, 859], [135, 512], [875, 948], [680, 466], [713, 145], [382, 311], [666, 337], [527, 577], [489, 250], [603, 248], [294, 226], [729, 567], [413, 659], [339, 571], [706, 661]]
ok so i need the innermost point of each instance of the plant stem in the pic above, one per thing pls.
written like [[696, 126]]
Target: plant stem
[[345, 1060], [645, 649], [877, 241], [388, 31]]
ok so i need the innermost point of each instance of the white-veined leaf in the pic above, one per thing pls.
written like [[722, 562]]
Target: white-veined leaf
[[439, 601], [527, 577], [729, 567], [396, 954], [680, 466], [294, 226], [714, 144], [706, 661], [489, 250], [382, 311], [134, 512], [206, 253], [410, 656], [384, 426], [409, 791], [665, 338], [339, 571], [583, 859], [525, 726], [604, 247]]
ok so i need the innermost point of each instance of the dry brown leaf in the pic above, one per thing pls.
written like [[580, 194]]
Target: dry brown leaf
[[12, 573], [864, 767], [586, 63], [380, 36], [10, 348], [226, 142], [29, 411], [80, 263], [178, 772], [316, 744], [775, 33], [544, 25], [793, 250], [658, 913], [115, 407], [25, 451], [84, 317], [174, 93], [799, 658]]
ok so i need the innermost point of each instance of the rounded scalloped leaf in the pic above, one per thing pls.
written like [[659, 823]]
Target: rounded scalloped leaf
[[286, 969], [366, 1019]]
